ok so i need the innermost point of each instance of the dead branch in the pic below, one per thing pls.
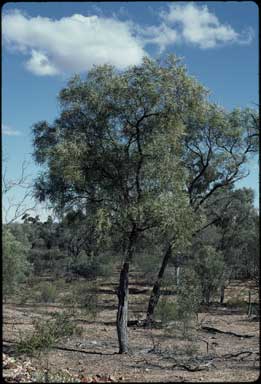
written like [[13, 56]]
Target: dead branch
[[216, 330], [247, 353], [82, 351]]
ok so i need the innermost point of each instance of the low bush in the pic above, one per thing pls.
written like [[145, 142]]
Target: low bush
[[47, 293], [46, 333], [85, 296], [166, 311], [236, 302]]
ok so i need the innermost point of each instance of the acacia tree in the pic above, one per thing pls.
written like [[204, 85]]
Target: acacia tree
[[115, 151], [216, 148], [236, 220]]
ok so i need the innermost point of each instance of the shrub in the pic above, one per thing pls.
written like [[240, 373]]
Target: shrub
[[86, 266], [48, 292], [237, 303], [86, 297], [46, 333], [16, 267], [166, 311], [147, 262], [209, 266]]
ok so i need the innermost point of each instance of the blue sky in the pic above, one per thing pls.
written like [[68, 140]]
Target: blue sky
[[45, 43]]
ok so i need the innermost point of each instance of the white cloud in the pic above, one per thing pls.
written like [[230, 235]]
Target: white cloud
[[161, 35], [71, 44], [39, 64], [76, 43], [200, 27], [8, 131]]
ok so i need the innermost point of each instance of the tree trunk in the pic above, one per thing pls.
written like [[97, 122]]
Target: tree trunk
[[222, 293], [154, 298], [177, 276], [123, 294], [122, 314]]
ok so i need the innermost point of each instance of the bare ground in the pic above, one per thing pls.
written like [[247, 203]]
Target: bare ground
[[224, 346]]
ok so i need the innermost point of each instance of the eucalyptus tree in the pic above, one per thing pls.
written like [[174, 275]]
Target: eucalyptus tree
[[115, 152], [216, 148]]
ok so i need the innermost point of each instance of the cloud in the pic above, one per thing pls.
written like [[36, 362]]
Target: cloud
[[8, 131], [199, 27], [161, 36], [76, 43], [72, 43]]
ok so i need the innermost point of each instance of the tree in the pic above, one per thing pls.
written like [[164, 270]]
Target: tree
[[115, 152], [236, 220], [14, 209], [15, 264], [216, 148]]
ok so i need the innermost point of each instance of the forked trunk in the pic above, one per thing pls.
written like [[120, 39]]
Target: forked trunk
[[155, 295], [122, 314]]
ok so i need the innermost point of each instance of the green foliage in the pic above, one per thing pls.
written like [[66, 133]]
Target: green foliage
[[189, 295], [16, 267], [186, 305], [90, 266], [147, 262], [47, 292], [237, 302], [166, 311], [209, 265], [85, 296], [114, 152], [47, 333]]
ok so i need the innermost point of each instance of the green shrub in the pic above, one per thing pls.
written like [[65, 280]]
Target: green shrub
[[86, 297], [209, 265], [237, 303], [16, 267], [166, 311], [86, 266], [46, 333], [48, 292], [147, 262]]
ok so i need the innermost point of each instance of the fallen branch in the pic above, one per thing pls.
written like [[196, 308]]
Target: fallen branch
[[216, 330], [248, 353], [193, 369], [82, 351]]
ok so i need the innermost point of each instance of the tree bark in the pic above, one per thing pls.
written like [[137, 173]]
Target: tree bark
[[122, 314], [123, 294], [154, 298], [222, 293]]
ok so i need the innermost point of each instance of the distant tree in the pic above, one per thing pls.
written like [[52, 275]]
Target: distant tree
[[15, 264], [233, 231], [216, 148]]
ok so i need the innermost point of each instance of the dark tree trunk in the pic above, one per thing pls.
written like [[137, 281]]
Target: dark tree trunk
[[222, 293], [122, 314], [123, 295], [154, 298]]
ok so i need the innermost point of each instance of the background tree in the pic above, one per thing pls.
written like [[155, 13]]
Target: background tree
[[216, 148], [15, 264]]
